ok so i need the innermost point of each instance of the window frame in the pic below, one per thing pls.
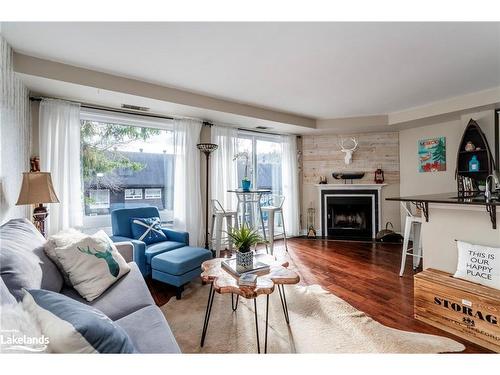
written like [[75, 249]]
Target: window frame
[[158, 196], [254, 137], [133, 197], [100, 205], [104, 221]]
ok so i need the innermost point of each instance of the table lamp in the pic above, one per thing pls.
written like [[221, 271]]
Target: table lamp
[[37, 189]]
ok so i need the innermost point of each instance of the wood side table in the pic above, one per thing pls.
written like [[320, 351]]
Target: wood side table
[[222, 282]]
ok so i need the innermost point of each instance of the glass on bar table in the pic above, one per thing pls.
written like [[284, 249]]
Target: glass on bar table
[[249, 208]]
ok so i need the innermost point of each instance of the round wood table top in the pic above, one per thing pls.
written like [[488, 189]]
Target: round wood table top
[[225, 282]]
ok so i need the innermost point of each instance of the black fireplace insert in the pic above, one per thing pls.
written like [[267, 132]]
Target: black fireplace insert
[[349, 217]]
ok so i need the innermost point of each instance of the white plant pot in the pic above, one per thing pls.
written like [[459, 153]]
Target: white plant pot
[[244, 260]]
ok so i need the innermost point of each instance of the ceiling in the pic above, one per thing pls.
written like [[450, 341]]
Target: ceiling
[[320, 70]]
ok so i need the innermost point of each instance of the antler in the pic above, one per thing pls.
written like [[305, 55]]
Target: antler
[[353, 148]]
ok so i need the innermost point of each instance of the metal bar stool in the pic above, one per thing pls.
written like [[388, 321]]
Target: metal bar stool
[[218, 215], [275, 206], [412, 222]]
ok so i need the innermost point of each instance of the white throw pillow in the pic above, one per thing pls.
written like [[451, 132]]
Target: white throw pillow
[[62, 239], [479, 264], [92, 264]]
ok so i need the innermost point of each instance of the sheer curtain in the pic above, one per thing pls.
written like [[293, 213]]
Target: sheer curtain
[[15, 136], [59, 136], [224, 174], [188, 215], [290, 181]]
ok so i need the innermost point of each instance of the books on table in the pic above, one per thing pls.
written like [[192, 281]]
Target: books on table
[[258, 268]]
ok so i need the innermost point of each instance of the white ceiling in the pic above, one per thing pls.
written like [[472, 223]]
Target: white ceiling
[[321, 70]]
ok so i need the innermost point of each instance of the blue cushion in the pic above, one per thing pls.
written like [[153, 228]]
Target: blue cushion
[[88, 331], [180, 261], [147, 229], [120, 219], [161, 247]]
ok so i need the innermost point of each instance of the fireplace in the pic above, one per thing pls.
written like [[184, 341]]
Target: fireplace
[[349, 217], [349, 212]]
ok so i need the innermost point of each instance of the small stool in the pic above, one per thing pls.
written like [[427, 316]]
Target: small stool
[[180, 266], [218, 215], [412, 222], [275, 207]]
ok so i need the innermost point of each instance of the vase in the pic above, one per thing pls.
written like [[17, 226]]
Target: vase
[[245, 185], [244, 260]]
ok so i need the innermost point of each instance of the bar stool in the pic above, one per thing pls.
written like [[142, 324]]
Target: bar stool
[[412, 222], [218, 215], [273, 207]]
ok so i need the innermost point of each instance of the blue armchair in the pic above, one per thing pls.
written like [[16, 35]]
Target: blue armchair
[[122, 231]]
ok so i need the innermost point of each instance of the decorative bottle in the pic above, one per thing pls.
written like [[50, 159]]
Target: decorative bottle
[[473, 164]]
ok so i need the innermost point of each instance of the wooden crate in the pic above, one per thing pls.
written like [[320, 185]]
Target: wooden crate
[[465, 309]]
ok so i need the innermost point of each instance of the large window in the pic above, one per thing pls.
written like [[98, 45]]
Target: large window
[[264, 153], [125, 164]]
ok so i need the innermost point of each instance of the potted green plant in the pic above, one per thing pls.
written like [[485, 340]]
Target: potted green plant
[[244, 238]]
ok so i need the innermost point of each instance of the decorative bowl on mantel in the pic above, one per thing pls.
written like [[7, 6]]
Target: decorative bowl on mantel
[[348, 175]]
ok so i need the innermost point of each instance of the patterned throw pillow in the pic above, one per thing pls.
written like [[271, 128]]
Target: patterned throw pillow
[[479, 264], [147, 230], [72, 327], [92, 264]]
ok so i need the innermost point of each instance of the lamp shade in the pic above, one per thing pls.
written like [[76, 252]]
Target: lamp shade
[[37, 188]]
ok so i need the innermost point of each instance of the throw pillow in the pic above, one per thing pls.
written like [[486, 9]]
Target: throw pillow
[[147, 230], [62, 239], [479, 264], [23, 263], [92, 264], [20, 331], [73, 327]]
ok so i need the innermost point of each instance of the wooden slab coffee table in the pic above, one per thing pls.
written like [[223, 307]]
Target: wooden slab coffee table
[[222, 282]]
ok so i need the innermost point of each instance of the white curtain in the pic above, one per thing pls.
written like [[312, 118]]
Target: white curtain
[[290, 181], [15, 136], [59, 136], [224, 173], [188, 212]]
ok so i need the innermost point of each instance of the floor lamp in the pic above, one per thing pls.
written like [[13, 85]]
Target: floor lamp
[[207, 148]]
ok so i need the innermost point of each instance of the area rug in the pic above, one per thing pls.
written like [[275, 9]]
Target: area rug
[[320, 322]]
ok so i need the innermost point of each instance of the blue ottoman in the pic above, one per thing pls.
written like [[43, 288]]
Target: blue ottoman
[[180, 266]]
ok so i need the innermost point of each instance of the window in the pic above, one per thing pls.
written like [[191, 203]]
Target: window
[[133, 194], [152, 194], [121, 156], [264, 155], [98, 199]]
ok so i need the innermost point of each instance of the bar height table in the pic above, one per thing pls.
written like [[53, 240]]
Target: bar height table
[[249, 206]]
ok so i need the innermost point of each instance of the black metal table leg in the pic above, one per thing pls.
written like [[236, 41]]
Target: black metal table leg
[[281, 290], [233, 305], [256, 324], [267, 322], [211, 295]]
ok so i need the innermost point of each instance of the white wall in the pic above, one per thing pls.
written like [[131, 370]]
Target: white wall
[[414, 182], [15, 136]]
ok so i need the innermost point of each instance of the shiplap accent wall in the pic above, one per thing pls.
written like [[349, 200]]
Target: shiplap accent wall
[[321, 155], [15, 136]]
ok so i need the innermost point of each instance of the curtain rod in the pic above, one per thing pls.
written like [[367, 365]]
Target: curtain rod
[[258, 131], [111, 109]]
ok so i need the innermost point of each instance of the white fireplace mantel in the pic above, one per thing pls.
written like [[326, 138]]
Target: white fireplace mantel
[[354, 186]]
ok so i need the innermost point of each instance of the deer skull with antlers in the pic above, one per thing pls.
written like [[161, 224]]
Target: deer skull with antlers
[[348, 151]]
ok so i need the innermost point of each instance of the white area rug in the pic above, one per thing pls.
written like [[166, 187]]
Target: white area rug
[[320, 322]]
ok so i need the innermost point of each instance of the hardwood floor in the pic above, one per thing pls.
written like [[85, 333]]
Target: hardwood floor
[[363, 274]]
